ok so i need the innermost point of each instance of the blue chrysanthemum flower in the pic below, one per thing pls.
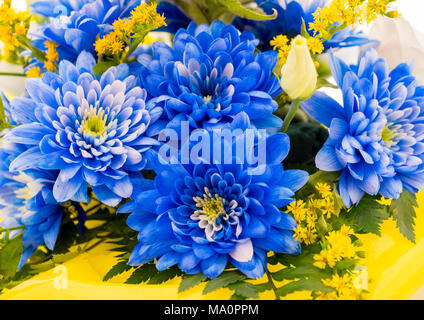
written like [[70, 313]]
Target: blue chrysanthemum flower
[[203, 216], [209, 76], [377, 137], [26, 199], [95, 131], [75, 25], [289, 23]]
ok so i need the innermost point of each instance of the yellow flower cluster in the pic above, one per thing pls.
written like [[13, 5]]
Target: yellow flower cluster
[[339, 14], [51, 56], [344, 288], [34, 72], [13, 26], [307, 214], [337, 246], [144, 18]]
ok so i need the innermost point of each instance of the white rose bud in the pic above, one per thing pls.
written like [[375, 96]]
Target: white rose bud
[[299, 75]]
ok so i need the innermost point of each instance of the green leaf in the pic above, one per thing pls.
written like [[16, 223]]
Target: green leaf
[[223, 281], [165, 275], [404, 214], [238, 9], [4, 121], [263, 287], [66, 238], [190, 281], [117, 269], [245, 289], [102, 67], [368, 215], [142, 274], [10, 255], [302, 271], [302, 285], [345, 264], [41, 267], [236, 296], [62, 258]]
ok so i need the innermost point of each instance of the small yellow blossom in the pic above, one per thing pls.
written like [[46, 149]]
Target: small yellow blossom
[[33, 72], [343, 286], [52, 55], [279, 42], [315, 45], [323, 188], [297, 208]]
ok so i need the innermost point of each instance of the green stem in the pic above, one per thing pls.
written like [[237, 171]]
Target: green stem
[[134, 46], [290, 116], [40, 55], [11, 229], [12, 74], [272, 284]]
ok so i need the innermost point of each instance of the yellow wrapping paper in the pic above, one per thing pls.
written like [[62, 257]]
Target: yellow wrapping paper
[[394, 265]]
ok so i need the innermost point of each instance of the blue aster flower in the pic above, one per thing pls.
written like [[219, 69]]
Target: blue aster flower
[[26, 199], [289, 23], [203, 216], [95, 131], [209, 76], [376, 137], [75, 25]]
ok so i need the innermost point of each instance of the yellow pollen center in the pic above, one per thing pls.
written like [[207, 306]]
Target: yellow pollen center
[[94, 125], [212, 206], [388, 136]]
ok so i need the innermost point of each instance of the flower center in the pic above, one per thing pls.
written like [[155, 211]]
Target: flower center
[[94, 122], [207, 99], [388, 135], [210, 206]]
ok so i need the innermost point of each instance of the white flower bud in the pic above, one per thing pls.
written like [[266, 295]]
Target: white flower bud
[[299, 75]]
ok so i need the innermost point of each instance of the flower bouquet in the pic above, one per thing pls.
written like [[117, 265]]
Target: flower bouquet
[[198, 139]]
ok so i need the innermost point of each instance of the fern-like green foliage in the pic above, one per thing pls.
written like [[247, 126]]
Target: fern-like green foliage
[[404, 213]]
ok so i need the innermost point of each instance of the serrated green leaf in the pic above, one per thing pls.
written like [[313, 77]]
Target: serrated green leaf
[[117, 269], [404, 214], [223, 281], [41, 267], [302, 271], [238, 9], [142, 274], [346, 264], [263, 287], [245, 289], [302, 285], [369, 215], [238, 297], [190, 281], [61, 258], [165, 275]]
